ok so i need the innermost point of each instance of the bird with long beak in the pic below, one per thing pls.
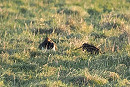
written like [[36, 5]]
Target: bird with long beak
[[47, 44]]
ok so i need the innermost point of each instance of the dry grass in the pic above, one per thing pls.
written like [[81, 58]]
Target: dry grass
[[69, 23]]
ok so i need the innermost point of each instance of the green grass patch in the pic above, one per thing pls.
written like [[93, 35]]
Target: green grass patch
[[24, 24]]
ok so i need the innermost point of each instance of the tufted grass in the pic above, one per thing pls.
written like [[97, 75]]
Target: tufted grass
[[24, 24]]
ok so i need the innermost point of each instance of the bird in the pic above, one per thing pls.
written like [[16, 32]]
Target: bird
[[89, 48], [47, 44]]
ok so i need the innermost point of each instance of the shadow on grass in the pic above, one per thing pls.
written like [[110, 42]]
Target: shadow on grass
[[15, 80], [78, 64], [79, 81], [42, 31], [20, 65], [56, 30], [10, 79], [67, 11]]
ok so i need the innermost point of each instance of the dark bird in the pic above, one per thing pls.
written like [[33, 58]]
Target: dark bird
[[47, 44], [89, 48]]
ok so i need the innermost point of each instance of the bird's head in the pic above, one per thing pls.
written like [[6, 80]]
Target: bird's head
[[48, 39]]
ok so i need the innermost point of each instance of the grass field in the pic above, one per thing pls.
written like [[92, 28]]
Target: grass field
[[24, 24]]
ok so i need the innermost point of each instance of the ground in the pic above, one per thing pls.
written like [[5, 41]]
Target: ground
[[24, 24]]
